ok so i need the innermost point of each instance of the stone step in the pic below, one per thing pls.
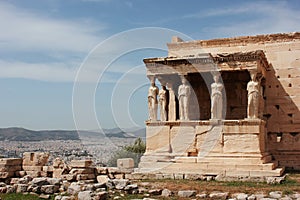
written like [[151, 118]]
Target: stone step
[[153, 166], [222, 166], [255, 173], [156, 158], [268, 169], [180, 168], [233, 160], [267, 166], [222, 161]]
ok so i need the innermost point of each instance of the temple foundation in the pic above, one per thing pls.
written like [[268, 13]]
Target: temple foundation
[[215, 123], [229, 148]]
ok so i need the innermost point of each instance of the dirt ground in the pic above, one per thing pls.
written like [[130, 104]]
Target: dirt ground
[[290, 185]]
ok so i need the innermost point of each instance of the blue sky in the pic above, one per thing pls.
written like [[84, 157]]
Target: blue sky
[[53, 53]]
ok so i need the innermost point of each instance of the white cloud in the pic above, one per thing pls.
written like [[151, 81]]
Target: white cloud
[[22, 30], [263, 17], [264, 8], [66, 72], [37, 71]]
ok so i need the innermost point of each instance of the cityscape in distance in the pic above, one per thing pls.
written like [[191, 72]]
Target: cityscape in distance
[[67, 144]]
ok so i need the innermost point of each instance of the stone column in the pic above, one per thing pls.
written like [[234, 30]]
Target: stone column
[[172, 103], [184, 94], [152, 99], [216, 98], [163, 103], [253, 97]]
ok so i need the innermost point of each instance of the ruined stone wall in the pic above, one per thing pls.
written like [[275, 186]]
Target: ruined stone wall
[[282, 92]]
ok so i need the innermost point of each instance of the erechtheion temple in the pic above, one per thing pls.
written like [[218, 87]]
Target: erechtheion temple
[[225, 106]]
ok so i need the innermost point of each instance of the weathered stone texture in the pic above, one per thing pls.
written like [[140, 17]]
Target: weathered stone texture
[[282, 84], [276, 59], [125, 164], [10, 167]]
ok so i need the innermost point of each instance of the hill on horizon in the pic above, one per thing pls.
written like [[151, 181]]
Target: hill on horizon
[[22, 134]]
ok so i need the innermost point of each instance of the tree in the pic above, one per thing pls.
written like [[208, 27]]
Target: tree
[[134, 151], [138, 147]]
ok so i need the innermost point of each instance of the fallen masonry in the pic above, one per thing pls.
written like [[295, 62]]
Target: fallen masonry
[[83, 180]]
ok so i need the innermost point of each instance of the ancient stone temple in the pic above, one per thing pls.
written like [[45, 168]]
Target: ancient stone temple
[[225, 106]]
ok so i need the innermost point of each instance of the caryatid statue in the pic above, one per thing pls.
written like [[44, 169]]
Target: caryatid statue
[[152, 100], [253, 97], [163, 103], [184, 92], [216, 98]]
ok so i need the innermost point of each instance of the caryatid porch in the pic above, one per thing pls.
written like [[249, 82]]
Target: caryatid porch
[[210, 116]]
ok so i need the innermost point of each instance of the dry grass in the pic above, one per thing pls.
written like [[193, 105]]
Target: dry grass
[[292, 184]]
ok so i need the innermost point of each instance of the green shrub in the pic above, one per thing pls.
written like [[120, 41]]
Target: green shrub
[[134, 151]]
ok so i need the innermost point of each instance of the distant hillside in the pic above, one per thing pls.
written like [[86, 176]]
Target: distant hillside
[[21, 134], [120, 133], [141, 133]]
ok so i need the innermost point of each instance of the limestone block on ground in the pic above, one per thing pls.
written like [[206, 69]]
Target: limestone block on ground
[[119, 176], [166, 193], [32, 168], [12, 168], [68, 177], [125, 163], [9, 166], [54, 181], [34, 173], [57, 173], [20, 173], [14, 181], [59, 168], [240, 196], [21, 188], [218, 195], [120, 184], [10, 161], [58, 163], [24, 180], [47, 169], [101, 170], [85, 195], [113, 170], [4, 175], [39, 181], [81, 163], [186, 193], [74, 188], [102, 179], [275, 194], [131, 187], [49, 189], [82, 171], [85, 177], [35, 158]]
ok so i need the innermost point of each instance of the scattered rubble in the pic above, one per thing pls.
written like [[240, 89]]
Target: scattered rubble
[[82, 180]]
